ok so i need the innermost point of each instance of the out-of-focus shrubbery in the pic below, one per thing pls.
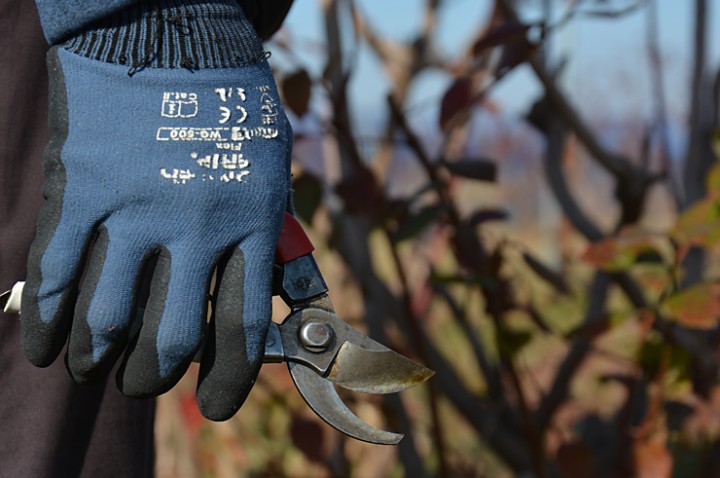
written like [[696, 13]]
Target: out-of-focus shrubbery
[[587, 348]]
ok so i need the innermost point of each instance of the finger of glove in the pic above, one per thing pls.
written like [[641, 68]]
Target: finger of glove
[[54, 269], [235, 344], [172, 326], [55, 258], [105, 307]]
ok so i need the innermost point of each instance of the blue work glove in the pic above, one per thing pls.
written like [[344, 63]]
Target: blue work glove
[[169, 146]]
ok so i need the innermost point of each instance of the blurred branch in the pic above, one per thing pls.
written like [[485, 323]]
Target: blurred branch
[[616, 164], [498, 297], [595, 310], [352, 167], [497, 426], [574, 11], [555, 175], [337, 79], [417, 335], [490, 372], [671, 332], [658, 86], [698, 157], [413, 142], [403, 61]]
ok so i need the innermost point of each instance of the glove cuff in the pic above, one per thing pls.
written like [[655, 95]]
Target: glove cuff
[[188, 34]]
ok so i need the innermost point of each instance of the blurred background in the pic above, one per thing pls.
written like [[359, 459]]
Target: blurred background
[[522, 195]]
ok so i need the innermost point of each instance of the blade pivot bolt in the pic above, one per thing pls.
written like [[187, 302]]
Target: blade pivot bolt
[[315, 336]]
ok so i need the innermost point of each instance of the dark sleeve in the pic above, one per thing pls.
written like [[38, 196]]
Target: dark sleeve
[[266, 15], [60, 18]]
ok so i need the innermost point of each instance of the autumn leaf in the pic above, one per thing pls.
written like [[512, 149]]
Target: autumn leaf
[[715, 143], [296, 89], [712, 180], [652, 460], [457, 100], [619, 253], [516, 47], [696, 307], [655, 278], [699, 224]]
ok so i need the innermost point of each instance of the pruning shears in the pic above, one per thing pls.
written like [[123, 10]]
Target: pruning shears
[[320, 349]]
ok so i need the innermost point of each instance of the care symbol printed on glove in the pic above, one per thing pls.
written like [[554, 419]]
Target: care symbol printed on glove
[[179, 105], [227, 113], [269, 106]]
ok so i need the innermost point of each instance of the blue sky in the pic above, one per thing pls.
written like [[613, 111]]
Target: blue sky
[[607, 72]]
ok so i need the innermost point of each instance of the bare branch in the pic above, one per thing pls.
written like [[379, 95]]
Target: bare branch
[[597, 296]]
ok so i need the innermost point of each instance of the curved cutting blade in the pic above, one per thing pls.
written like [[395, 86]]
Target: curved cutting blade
[[321, 396], [375, 371]]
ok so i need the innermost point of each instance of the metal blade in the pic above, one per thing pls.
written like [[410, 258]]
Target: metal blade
[[350, 358], [10, 300], [375, 371], [321, 396]]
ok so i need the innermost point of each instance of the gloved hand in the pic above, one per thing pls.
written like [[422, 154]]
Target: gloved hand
[[168, 143]]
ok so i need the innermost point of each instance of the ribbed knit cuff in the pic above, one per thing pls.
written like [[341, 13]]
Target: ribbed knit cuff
[[189, 34]]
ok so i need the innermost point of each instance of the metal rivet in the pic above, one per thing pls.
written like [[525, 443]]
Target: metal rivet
[[316, 336]]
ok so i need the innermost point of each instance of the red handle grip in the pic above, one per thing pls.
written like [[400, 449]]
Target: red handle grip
[[293, 242]]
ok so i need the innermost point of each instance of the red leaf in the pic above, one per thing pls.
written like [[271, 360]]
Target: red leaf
[[296, 90], [457, 99], [516, 47]]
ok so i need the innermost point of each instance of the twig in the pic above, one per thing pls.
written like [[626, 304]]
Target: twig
[[555, 175], [417, 337], [574, 358], [492, 377], [615, 164], [658, 86]]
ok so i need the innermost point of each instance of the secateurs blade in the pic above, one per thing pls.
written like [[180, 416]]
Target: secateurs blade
[[320, 350]]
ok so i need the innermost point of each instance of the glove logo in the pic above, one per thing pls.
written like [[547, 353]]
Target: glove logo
[[179, 105]]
